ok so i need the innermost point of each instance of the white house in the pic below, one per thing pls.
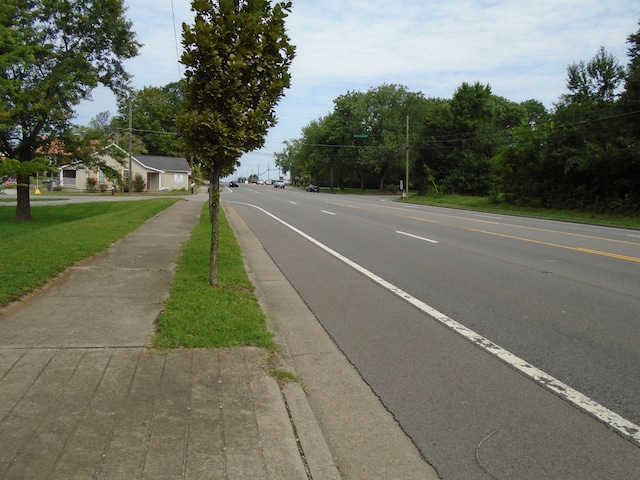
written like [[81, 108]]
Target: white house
[[158, 172]]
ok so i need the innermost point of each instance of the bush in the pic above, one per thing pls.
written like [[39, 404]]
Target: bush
[[139, 185], [91, 184]]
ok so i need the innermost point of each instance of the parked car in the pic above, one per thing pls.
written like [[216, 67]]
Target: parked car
[[233, 184], [313, 188], [278, 184], [10, 182]]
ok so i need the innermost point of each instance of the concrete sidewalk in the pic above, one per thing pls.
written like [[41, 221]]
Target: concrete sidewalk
[[82, 397]]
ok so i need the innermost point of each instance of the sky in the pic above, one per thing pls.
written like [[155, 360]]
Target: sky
[[521, 49]]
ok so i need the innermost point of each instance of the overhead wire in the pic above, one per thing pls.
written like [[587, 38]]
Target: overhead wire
[[175, 34]]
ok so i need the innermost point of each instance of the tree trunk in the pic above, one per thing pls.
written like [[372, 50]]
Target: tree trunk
[[214, 209], [383, 174], [381, 184], [23, 209]]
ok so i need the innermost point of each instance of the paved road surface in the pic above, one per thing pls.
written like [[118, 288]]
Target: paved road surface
[[560, 296]]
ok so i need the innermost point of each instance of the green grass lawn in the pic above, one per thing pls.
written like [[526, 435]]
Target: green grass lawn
[[61, 235], [198, 315]]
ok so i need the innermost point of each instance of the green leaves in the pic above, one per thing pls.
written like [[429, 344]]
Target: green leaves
[[16, 168], [237, 56]]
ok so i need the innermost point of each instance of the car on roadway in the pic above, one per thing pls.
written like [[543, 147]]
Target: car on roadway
[[233, 184], [278, 184], [313, 188]]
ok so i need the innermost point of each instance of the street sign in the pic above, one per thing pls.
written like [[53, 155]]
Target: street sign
[[360, 135]]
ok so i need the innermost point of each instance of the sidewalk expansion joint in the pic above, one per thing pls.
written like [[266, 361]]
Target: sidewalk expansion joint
[[127, 269], [303, 457]]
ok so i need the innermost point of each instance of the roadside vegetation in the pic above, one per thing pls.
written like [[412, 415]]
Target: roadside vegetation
[[487, 204], [196, 315], [61, 235]]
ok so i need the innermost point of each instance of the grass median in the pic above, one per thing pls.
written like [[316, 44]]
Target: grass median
[[198, 315], [61, 235]]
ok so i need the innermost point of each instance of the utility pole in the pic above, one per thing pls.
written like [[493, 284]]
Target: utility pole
[[406, 180], [130, 140]]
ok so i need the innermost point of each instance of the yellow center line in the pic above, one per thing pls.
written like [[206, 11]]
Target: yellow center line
[[557, 245], [424, 220], [343, 205]]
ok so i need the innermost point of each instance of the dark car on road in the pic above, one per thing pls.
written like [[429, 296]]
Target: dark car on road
[[233, 184], [313, 188]]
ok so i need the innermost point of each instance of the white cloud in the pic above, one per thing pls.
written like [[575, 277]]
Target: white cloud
[[521, 49]]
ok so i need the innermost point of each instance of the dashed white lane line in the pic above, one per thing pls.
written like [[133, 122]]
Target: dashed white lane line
[[416, 236], [327, 212], [622, 426]]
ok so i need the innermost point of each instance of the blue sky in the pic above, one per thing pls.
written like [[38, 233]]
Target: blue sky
[[521, 49]]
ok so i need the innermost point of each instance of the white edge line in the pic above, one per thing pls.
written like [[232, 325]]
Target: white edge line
[[621, 425], [416, 236]]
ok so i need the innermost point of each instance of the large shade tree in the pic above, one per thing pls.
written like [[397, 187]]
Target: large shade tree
[[153, 112], [53, 53], [237, 56]]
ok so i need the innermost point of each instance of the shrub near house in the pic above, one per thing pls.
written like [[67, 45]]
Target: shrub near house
[[139, 184]]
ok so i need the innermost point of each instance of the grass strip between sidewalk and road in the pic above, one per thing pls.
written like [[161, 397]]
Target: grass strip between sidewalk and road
[[197, 315], [59, 236]]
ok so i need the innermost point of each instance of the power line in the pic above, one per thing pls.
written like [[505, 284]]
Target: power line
[[175, 34]]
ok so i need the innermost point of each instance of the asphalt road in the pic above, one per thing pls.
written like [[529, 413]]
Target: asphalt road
[[505, 347]]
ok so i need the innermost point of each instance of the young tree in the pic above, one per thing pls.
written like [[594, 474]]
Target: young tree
[[53, 53], [237, 58]]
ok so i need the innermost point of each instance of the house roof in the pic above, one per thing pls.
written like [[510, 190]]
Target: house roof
[[163, 164]]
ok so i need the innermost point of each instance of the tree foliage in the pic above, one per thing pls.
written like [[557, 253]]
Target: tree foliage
[[595, 81], [153, 111], [585, 157], [237, 58], [362, 142], [53, 53]]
